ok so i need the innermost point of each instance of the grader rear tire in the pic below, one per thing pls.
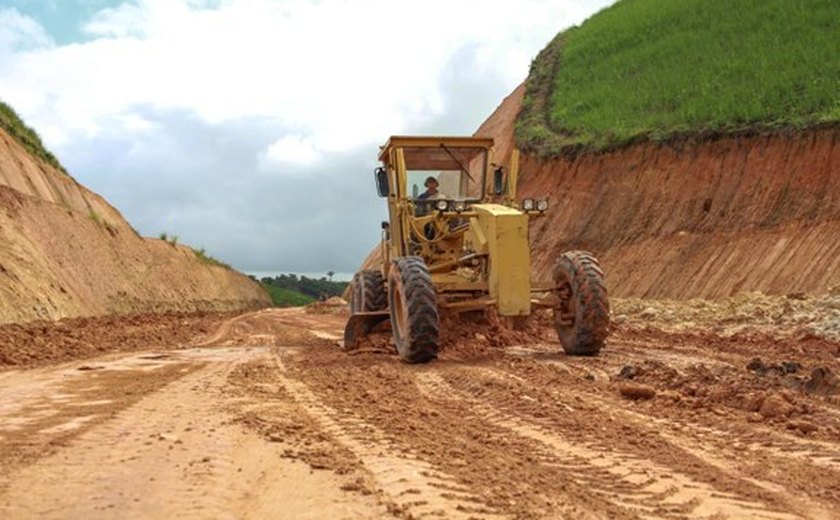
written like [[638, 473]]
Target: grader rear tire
[[368, 292], [582, 318], [414, 313]]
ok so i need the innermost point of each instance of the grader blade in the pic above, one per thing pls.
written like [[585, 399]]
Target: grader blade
[[359, 326]]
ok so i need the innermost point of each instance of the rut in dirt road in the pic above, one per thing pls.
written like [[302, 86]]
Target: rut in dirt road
[[270, 417]]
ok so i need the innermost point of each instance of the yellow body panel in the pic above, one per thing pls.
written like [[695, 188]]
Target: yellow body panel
[[509, 279]]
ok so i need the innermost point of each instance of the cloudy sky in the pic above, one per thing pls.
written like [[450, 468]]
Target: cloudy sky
[[250, 127]]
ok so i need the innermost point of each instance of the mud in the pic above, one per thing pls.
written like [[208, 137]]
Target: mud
[[39, 343], [267, 416]]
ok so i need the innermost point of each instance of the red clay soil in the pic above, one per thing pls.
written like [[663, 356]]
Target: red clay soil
[[702, 219], [267, 418], [46, 342]]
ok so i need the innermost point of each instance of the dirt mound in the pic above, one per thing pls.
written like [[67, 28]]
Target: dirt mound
[[791, 316], [332, 305], [42, 342], [470, 335], [287, 326], [704, 218], [67, 253], [775, 391]]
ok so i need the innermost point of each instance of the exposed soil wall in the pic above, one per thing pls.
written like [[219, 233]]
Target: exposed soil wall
[[65, 252], [691, 219]]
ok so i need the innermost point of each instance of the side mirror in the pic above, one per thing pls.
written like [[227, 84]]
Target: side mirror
[[498, 181], [381, 176]]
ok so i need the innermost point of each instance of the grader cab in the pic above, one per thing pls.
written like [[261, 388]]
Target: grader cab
[[457, 241]]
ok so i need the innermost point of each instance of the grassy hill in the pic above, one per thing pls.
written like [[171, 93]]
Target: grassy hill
[[655, 69], [281, 297], [26, 136]]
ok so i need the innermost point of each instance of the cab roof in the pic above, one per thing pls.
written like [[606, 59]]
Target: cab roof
[[402, 141]]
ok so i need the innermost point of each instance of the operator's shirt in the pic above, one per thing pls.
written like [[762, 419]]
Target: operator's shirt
[[431, 196]]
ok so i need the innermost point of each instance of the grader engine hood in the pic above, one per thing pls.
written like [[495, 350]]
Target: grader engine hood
[[502, 233]]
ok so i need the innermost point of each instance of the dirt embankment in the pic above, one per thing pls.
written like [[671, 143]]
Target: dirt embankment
[[65, 252], [704, 218]]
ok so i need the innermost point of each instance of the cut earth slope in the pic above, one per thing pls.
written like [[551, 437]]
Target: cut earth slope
[[66, 252]]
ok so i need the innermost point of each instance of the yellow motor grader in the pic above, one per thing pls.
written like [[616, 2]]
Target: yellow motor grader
[[457, 241]]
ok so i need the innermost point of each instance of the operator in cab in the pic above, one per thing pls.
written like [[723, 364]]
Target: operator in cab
[[425, 199], [431, 192]]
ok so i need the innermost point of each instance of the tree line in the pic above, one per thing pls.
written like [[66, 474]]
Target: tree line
[[318, 288]]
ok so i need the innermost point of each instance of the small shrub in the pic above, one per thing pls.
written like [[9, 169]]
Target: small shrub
[[204, 258]]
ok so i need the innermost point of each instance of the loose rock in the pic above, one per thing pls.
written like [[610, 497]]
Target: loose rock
[[775, 406], [636, 391]]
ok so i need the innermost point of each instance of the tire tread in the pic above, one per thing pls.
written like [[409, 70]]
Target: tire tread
[[421, 342], [589, 286]]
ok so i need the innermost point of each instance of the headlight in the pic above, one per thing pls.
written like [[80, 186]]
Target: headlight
[[459, 206], [528, 204], [441, 205], [542, 204]]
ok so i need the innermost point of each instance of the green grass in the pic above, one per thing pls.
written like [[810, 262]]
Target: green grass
[[27, 137], [656, 69], [204, 258], [97, 218], [172, 239], [281, 297]]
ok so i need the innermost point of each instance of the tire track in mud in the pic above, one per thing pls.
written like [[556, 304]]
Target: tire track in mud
[[653, 490], [757, 437], [816, 459], [413, 487], [179, 453], [793, 468], [800, 473], [117, 466], [506, 471]]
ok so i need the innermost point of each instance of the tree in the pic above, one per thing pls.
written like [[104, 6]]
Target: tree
[[330, 274]]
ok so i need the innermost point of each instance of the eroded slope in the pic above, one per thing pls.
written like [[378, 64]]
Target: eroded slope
[[66, 252], [694, 218]]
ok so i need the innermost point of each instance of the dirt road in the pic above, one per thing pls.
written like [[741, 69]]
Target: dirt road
[[267, 418]]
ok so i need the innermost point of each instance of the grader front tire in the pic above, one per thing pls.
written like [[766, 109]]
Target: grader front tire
[[414, 313], [582, 318], [368, 292]]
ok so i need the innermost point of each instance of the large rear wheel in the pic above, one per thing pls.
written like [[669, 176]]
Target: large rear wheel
[[414, 312], [368, 292], [582, 317]]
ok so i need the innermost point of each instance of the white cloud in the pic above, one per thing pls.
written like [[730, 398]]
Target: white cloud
[[290, 149], [173, 108], [343, 72], [19, 32]]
